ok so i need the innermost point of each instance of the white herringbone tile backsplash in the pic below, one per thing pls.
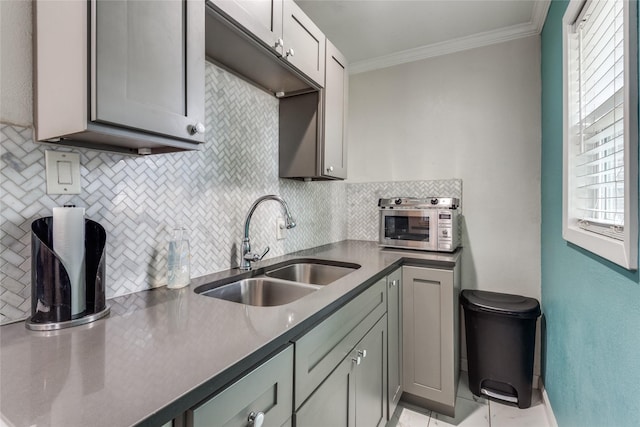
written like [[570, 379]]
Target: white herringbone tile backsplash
[[139, 200]]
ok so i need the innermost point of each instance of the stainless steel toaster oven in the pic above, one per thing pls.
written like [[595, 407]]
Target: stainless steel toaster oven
[[429, 224]]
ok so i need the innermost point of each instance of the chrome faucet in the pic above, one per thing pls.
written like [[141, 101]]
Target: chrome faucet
[[247, 255]]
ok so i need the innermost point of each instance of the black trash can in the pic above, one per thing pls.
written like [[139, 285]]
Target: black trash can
[[501, 335]]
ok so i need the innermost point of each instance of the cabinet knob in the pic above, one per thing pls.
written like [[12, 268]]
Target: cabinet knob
[[356, 360], [197, 128], [279, 42], [290, 52], [330, 169], [362, 353], [256, 419], [393, 283]]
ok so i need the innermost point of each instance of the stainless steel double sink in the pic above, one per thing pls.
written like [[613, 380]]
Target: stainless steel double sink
[[279, 284]]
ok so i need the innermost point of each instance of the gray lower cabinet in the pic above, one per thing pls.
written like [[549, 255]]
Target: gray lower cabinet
[[430, 337], [341, 364], [323, 348], [332, 404], [266, 390], [354, 394], [371, 377], [394, 336]]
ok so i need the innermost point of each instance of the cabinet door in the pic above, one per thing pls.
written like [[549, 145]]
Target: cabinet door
[[304, 43], [371, 377], [262, 18], [333, 403], [429, 334], [148, 66], [267, 389], [394, 338], [335, 113]]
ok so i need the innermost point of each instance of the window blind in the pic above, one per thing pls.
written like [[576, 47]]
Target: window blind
[[598, 166]]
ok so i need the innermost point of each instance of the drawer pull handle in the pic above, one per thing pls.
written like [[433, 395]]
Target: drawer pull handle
[[256, 419], [394, 283], [356, 360], [362, 353]]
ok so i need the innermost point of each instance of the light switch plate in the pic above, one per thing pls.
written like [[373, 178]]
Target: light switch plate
[[63, 172]]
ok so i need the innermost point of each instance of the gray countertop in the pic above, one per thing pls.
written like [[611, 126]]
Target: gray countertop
[[162, 351]]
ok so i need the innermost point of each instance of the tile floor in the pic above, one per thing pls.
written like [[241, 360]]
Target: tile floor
[[473, 411]]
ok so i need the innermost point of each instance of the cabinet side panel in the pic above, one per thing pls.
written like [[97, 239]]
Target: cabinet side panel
[[60, 74]]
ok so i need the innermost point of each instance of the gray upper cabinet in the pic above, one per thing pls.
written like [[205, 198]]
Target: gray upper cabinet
[[120, 75], [304, 43], [430, 337], [262, 18], [279, 25], [335, 113], [313, 126], [147, 77]]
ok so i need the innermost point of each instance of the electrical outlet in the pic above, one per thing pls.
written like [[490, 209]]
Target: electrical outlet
[[280, 228]]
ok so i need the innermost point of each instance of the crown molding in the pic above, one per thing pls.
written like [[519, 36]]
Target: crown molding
[[487, 38], [539, 13]]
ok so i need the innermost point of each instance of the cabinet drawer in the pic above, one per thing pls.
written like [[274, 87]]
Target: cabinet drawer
[[324, 347], [267, 389]]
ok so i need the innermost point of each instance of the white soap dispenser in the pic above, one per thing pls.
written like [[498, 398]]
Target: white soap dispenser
[[179, 274]]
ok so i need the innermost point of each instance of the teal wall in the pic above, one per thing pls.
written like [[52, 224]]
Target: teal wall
[[591, 337]]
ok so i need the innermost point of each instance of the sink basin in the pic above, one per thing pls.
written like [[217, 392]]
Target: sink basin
[[263, 292], [313, 272]]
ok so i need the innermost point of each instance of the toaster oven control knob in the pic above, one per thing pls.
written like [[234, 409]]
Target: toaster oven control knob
[[398, 201], [434, 201], [445, 232]]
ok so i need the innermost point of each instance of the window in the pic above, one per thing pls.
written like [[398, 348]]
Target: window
[[600, 163]]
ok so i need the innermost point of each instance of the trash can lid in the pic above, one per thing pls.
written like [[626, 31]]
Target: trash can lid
[[499, 303]]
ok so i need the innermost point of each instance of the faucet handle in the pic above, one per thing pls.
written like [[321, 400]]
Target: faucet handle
[[263, 253], [255, 257]]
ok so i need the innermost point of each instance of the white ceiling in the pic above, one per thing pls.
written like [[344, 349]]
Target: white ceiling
[[380, 33]]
